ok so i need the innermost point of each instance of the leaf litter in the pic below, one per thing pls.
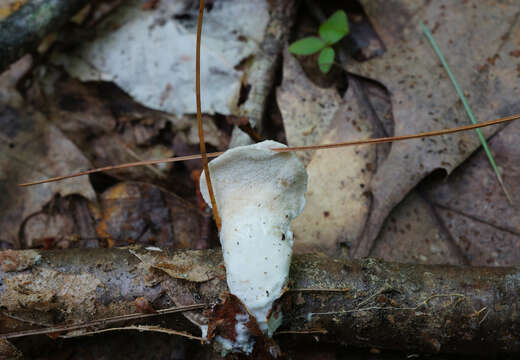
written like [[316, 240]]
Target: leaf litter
[[31, 147], [137, 213], [119, 130], [313, 115], [150, 54], [472, 208], [463, 219], [422, 97]]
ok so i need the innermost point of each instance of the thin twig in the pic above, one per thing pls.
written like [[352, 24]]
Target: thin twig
[[199, 119], [132, 153], [139, 328], [102, 322], [378, 292], [485, 316], [123, 166], [359, 309]]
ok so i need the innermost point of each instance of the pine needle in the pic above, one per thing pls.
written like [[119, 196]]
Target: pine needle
[[284, 149], [481, 137], [199, 119]]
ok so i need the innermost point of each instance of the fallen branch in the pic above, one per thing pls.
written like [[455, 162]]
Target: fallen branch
[[260, 74], [422, 308], [23, 30]]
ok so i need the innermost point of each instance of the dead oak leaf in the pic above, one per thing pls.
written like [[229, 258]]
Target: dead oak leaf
[[423, 98], [31, 148], [133, 212], [307, 110], [473, 209], [413, 234], [336, 207]]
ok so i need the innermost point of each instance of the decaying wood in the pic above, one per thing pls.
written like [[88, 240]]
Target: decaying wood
[[260, 74], [23, 30], [369, 302]]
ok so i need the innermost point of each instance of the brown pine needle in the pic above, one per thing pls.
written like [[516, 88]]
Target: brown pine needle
[[122, 166], [287, 149], [402, 137], [199, 119]]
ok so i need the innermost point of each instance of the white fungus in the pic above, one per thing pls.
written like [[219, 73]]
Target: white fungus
[[258, 192]]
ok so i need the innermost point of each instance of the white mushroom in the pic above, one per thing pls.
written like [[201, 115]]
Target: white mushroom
[[258, 192]]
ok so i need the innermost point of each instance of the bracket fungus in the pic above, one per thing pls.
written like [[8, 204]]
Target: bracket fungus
[[258, 192]]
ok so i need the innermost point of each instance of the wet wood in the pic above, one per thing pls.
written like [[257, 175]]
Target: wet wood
[[23, 30]]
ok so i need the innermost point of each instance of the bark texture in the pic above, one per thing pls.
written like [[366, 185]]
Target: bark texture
[[260, 74], [22, 31], [369, 302]]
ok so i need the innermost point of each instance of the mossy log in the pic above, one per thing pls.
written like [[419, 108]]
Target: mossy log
[[22, 31]]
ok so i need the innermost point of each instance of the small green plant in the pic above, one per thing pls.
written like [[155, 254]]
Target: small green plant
[[331, 31]]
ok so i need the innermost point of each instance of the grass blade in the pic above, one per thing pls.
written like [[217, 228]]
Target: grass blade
[[481, 137]]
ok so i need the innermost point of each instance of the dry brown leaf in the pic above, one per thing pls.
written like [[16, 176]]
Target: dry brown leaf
[[307, 110], [477, 37], [111, 128], [31, 148], [336, 204], [145, 214], [109, 132], [182, 265], [67, 223], [462, 219], [482, 244], [473, 209], [412, 234]]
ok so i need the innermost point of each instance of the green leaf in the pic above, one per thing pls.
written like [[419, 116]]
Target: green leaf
[[334, 28], [326, 59], [307, 46]]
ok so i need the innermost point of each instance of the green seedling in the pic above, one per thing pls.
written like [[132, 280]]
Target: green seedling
[[331, 31]]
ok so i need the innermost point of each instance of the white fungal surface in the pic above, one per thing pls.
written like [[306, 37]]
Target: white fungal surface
[[258, 193]]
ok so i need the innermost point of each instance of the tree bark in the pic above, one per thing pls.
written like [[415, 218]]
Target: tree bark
[[368, 302], [23, 30]]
